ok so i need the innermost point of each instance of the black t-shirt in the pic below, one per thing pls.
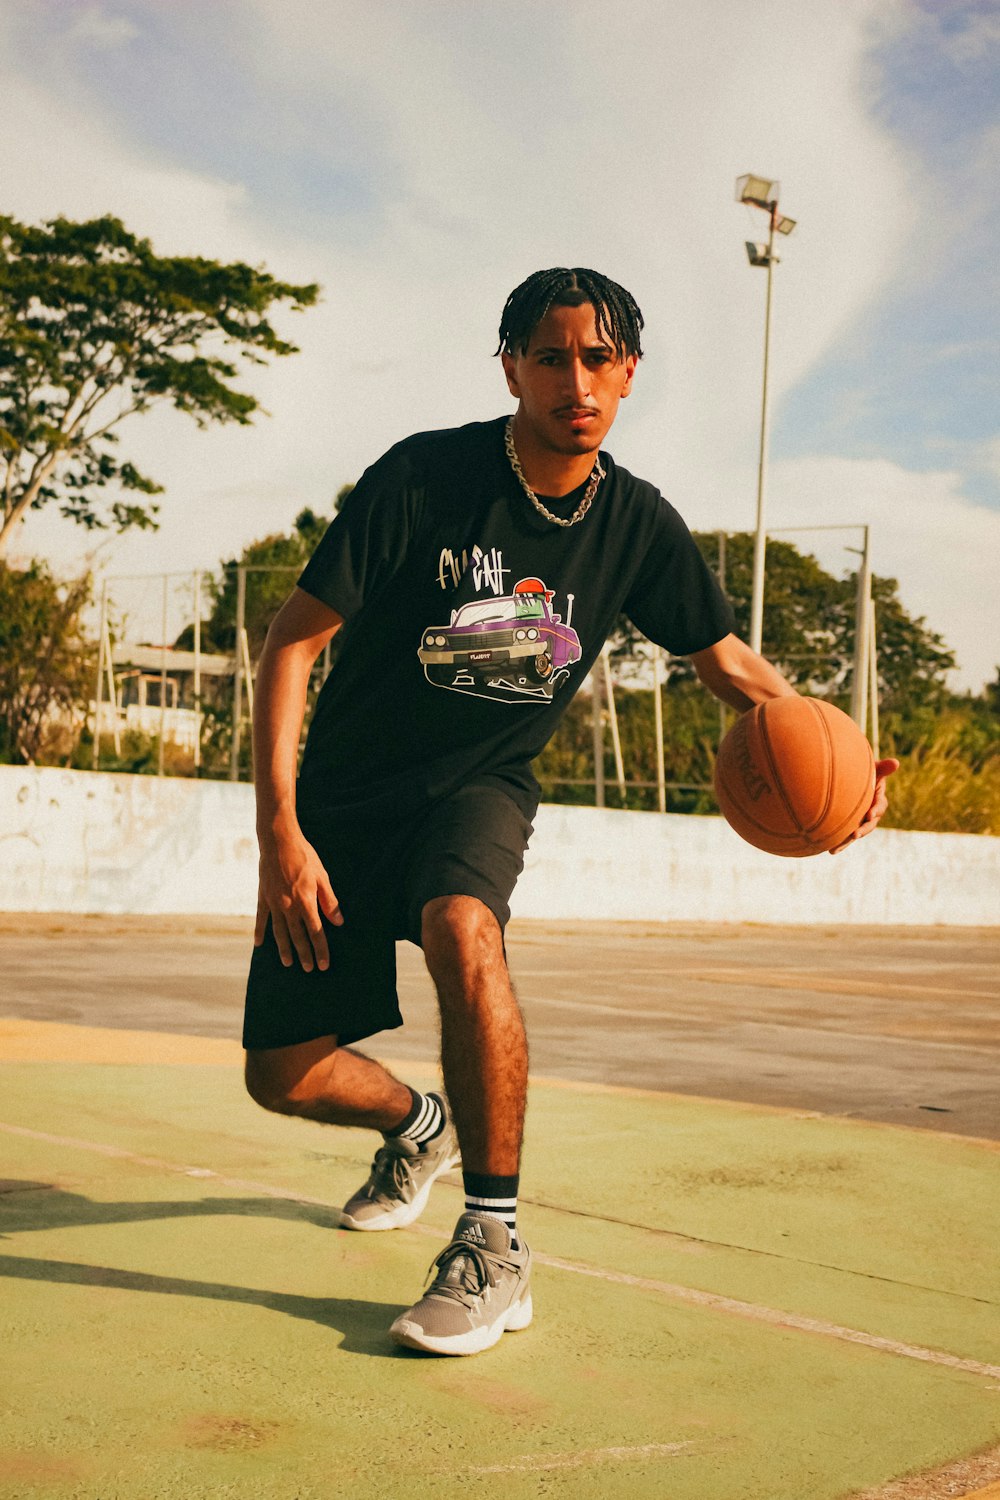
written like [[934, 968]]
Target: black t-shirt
[[471, 620]]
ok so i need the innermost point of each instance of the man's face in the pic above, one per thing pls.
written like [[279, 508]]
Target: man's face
[[568, 381]]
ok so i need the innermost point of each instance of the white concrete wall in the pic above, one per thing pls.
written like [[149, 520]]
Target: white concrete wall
[[79, 842], [84, 841], [647, 867]]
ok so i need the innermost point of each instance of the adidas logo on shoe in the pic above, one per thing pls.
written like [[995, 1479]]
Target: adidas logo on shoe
[[473, 1233]]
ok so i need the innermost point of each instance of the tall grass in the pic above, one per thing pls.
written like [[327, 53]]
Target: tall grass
[[939, 787]]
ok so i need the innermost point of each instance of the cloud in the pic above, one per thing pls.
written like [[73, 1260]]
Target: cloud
[[924, 532], [62, 164], [492, 140], [987, 457], [970, 38], [93, 26]]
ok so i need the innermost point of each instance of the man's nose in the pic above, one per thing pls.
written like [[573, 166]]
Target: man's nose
[[579, 378]]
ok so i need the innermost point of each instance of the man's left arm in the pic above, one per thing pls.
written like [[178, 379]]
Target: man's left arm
[[738, 676], [742, 678]]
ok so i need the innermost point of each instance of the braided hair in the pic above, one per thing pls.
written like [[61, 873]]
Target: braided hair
[[616, 311]]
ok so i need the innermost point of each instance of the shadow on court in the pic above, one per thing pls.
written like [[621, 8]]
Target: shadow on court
[[362, 1324], [25, 1206]]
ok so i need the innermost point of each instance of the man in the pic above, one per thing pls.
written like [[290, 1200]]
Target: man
[[476, 573]]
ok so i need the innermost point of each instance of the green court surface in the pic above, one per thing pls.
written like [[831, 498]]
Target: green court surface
[[731, 1302]]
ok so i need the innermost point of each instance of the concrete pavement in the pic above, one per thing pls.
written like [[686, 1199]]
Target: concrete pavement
[[788, 1293], [893, 1024]]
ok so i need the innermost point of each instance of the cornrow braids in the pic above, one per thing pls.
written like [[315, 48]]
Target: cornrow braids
[[616, 310]]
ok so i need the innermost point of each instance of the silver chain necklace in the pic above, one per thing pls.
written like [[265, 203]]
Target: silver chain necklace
[[596, 475]]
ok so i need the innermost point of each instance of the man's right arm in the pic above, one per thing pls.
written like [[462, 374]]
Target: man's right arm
[[294, 886]]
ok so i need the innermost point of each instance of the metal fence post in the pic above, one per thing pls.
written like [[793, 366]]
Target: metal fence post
[[873, 678], [163, 677], [616, 739], [197, 669], [721, 575], [661, 759], [241, 609], [100, 675], [598, 733], [859, 683]]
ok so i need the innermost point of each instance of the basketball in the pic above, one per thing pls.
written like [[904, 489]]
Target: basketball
[[794, 776]]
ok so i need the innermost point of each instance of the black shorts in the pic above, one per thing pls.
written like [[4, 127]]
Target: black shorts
[[469, 844]]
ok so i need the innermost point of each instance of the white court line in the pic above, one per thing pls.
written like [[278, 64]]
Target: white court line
[[757, 1312], [778, 1319], [534, 1463]]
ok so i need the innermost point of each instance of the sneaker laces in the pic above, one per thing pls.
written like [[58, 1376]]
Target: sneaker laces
[[464, 1271], [390, 1174]]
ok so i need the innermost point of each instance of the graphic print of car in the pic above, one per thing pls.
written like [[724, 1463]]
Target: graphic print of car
[[515, 638]]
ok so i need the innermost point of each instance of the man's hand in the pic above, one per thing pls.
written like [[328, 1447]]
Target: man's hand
[[883, 770], [294, 888]]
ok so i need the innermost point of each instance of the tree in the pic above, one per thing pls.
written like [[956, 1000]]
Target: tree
[[95, 327], [913, 660], [272, 567], [46, 662], [809, 621]]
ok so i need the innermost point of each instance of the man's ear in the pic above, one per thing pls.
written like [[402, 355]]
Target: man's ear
[[631, 365], [508, 362]]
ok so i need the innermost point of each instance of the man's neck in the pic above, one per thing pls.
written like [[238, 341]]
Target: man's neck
[[550, 473]]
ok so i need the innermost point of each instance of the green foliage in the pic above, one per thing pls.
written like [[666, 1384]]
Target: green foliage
[[95, 327], [808, 614], [47, 663], [691, 730], [138, 755], [273, 565], [913, 661], [809, 619], [950, 781]]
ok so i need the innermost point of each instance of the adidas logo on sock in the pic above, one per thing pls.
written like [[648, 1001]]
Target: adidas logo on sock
[[473, 1233]]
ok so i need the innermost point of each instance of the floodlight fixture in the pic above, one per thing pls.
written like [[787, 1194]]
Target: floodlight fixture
[[784, 226], [757, 190], [757, 254]]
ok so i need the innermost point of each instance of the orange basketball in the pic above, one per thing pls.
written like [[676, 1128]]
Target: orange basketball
[[794, 776]]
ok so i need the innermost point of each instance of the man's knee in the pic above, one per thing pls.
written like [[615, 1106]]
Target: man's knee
[[282, 1080], [461, 938]]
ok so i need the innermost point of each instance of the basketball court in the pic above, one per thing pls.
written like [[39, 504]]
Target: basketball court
[[760, 1179]]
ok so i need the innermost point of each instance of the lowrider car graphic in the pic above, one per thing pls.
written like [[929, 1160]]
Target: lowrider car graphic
[[514, 639]]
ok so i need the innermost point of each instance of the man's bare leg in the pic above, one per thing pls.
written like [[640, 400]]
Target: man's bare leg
[[484, 1051], [321, 1081], [337, 1086], [482, 1286]]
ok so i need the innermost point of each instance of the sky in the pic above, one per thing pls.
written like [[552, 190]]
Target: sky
[[419, 158]]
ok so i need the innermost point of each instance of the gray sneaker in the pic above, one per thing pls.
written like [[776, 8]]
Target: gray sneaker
[[480, 1292], [401, 1179]]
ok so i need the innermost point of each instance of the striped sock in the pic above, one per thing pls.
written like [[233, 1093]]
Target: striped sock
[[495, 1197], [424, 1122]]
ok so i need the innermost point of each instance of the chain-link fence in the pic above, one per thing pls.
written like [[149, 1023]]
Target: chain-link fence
[[177, 660]]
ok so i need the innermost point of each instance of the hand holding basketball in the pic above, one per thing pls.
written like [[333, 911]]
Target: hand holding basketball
[[795, 776], [880, 803]]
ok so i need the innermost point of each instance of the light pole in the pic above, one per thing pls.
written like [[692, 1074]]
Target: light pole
[[762, 194]]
